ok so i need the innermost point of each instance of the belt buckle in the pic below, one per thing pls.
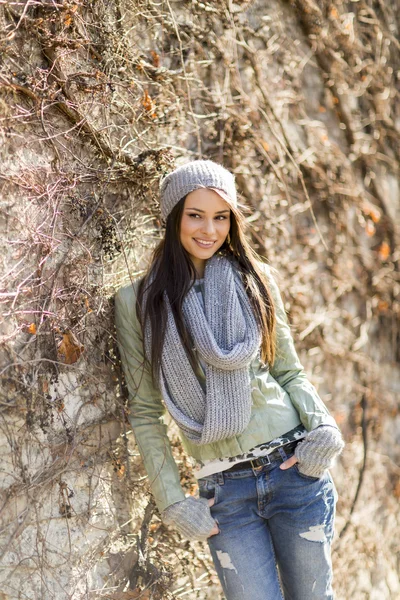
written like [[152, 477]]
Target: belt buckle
[[264, 462]]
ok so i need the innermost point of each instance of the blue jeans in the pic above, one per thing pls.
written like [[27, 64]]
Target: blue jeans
[[276, 529]]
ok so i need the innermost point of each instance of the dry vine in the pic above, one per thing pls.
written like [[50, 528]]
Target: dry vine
[[97, 101]]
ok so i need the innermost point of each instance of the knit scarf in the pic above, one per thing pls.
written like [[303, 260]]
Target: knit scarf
[[226, 336]]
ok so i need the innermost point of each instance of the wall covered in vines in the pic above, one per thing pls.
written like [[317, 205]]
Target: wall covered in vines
[[98, 100]]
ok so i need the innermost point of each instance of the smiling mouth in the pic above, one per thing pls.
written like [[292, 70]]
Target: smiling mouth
[[203, 243]]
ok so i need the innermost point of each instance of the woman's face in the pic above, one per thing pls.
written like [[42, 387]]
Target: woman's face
[[204, 226]]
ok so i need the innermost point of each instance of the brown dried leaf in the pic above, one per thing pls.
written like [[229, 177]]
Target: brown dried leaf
[[384, 251], [375, 216], [121, 471], [148, 103], [69, 349], [383, 306], [87, 305], [155, 57]]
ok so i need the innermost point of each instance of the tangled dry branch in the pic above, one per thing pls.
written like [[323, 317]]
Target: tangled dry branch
[[100, 99]]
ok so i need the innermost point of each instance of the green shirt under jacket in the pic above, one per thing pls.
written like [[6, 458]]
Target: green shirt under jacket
[[282, 399]]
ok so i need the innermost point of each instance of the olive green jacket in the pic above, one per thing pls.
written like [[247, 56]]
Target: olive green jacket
[[282, 398]]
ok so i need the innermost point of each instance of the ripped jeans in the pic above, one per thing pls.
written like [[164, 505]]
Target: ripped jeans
[[276, 529]]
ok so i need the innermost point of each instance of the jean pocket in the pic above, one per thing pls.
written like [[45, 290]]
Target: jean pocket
[[208, 489], [307, 477]]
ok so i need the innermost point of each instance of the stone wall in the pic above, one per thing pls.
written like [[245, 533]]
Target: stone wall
[[97, 101]]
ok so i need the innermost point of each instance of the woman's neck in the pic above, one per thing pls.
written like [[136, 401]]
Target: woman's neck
[[200, 266]]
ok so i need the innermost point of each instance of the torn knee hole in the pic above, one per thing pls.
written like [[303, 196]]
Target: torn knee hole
[[315, 533], [225, 560]]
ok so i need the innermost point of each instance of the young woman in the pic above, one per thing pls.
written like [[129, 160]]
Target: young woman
[[204, 333]]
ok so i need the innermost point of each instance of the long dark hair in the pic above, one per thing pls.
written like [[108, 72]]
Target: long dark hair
[[172, 271]]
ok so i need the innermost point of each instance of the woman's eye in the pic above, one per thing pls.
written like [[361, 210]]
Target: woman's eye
[[219, 218]]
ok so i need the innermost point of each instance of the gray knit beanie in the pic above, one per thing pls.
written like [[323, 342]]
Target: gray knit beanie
[[192, 176]]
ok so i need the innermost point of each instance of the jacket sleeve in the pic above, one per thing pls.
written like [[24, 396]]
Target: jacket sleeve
[[288, 371], [145, 405]]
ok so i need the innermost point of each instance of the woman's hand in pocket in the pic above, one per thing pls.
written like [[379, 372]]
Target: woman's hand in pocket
[[289, 463], [216, 528]]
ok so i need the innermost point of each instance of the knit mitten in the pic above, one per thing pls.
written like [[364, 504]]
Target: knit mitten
[[191, 517], [318, 450]]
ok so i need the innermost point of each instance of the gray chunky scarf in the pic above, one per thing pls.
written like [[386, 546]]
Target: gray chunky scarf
[[226, 336]]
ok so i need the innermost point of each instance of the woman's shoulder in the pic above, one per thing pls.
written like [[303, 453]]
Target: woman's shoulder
[[273, 280], [268, 270], [271, 273]]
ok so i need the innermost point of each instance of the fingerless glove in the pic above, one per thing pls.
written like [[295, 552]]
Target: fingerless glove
[[318, 450], [191, 517]]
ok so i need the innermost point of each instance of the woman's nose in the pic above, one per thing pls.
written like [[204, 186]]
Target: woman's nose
[[208, 226]]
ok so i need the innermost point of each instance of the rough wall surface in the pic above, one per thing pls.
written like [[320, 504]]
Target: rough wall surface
[[99, 99]]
